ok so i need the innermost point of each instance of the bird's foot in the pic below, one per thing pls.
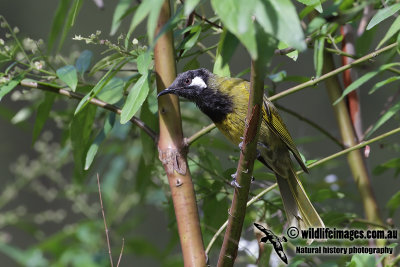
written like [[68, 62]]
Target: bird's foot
[[234, 183], [253, 179]]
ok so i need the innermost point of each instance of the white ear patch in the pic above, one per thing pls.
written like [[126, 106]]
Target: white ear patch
[[197, 81]]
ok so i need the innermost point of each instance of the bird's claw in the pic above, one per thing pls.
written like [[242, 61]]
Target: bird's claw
[[241, 144]]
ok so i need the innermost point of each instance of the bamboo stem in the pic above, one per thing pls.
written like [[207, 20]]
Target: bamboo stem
[[172, 152]]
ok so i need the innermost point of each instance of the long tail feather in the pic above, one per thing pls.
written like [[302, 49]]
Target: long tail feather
[[299, 210]]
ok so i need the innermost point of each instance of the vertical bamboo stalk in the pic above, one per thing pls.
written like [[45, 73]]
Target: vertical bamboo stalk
[[244, 171], [172, 149], [355, 158]]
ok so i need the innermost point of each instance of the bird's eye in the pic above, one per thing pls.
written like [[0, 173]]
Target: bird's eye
[[188, 81]]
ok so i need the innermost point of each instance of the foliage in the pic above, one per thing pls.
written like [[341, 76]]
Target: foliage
[[74, 140]]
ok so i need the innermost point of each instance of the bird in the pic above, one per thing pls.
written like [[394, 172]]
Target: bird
[[275, 240], [225, 101]]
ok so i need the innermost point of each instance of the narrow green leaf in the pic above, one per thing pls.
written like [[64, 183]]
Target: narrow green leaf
[[119, 12], [83, 62], [319, 56], [68, 75], [384, 118], [192, 64], [382, 83], [80, 132], [136, 97], [393, 203], [106, 62], [58, 22], [143, 62], [92, 151], [43, 112], [153, 18], [226, 47], [313, 3], [366, 77], [388, 165], [192, 38], [113, 91], [279, 18], [72, 13], [383, 14], [394, 28], [8, 87], [190, 5]]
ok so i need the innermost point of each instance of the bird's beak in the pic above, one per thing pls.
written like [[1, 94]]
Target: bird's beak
[[166, 91]]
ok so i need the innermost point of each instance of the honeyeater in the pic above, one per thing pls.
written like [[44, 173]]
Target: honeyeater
[[225, 101]]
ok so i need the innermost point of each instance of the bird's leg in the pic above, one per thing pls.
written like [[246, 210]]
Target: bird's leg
[[234, 183]]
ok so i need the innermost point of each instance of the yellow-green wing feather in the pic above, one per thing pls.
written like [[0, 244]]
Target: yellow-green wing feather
[[276, 124]]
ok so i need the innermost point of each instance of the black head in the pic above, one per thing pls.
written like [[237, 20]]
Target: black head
[[189, 84], [199, 86]]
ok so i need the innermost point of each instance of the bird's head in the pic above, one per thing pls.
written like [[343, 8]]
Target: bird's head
[[189, 84]]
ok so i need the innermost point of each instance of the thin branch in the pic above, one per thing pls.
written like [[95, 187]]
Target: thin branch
[[122, 251], [94, 101], [315, 164], [199, 134], [208, 21], [312, 124], [105, 223], [244, 170], [288, 50], [332, 73]]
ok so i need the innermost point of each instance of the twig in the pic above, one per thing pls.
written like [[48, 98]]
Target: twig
[[332, 73], [290, 49], [105, 223], [122, 250], [208, 21], [94, 101], [199, 134], [315, 164]]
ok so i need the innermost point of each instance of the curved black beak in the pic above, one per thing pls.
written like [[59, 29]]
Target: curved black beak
[[166, 91]]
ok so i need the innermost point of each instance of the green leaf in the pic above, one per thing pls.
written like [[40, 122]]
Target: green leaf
[[324, 194], [384, 118], [383, 14], [394, 28], [319, 56], [192, 64], [191, 40], [143, 62], [9, 86], [313, 3], [226, 47], [146, 8], [382, 83], [393, 203], [119, 12], [68, 75], [293, 55], [363, 79], [58, 22], [236, 16], [190, 5], [362, 260], [43, 112], [80, 132], [279, 18], [72, 13], [113, 91], [92, 151], [148, 117], [391, 164], [83, 62], [136, 97]]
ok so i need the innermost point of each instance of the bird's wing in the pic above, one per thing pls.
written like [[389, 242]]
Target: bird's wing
[[274, 121]]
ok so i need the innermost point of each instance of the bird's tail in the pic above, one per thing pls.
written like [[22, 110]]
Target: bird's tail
[[299, 210]]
